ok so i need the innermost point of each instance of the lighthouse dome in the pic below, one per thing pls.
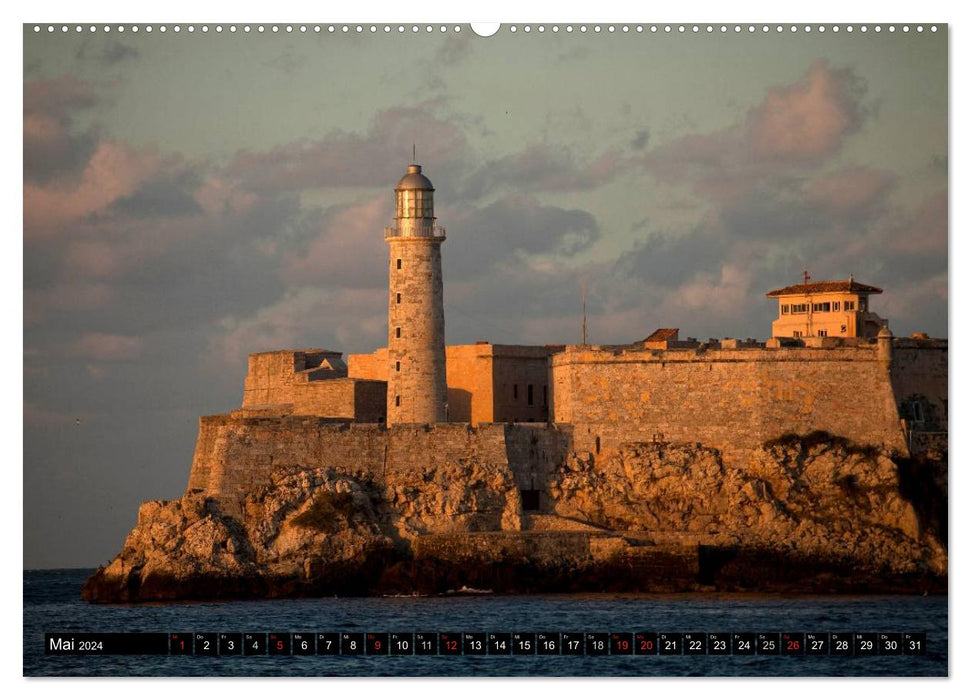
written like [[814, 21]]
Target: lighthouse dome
[[414, 180]]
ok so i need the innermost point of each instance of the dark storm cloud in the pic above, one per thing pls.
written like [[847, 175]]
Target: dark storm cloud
[[168, 195], [667, 261], [52, 148], [488, 237]]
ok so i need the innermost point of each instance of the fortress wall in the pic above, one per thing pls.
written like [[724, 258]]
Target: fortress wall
[[534, 451], [468, 374], [236, 453], [732, 400], [278, 379], [522, 367], [202, 458], [269, 378], [331, 398], [414, 448], [480, 381], [919, 372], [370, 401], [372, 365]]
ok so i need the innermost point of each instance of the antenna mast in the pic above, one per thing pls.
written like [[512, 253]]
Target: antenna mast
[[583, 298], [413, 152]]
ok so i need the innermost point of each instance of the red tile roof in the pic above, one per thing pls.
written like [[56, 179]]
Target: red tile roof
[[821, 287], [662, 334]]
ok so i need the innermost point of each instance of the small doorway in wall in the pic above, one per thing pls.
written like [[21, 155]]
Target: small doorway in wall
[[530, 499]]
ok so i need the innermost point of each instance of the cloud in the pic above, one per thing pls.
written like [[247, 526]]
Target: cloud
[[348, 250], [108, 347], [852, 189], [453, 50], [64, 295], [543, 167], [343, 159], [795, 127], [924, 232], [640, 139], [809, 120], [777, 197], [52, 149], [287, 63], [113, 171], [108, 54], [349, 320], [515, 226], [168, 194]]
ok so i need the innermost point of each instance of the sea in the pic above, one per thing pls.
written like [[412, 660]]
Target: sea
[[52, 604]]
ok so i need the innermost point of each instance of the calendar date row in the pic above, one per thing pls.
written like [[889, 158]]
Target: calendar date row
[[491, 643]]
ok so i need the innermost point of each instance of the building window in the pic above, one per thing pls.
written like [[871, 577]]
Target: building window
[[849, 305], [529, 395], [914, 411], [397, 332], [397, 366], [397, 400], [399, 263], [821, 306], [597, 444], [836, 306], [842, 329], [800, 308], [515, 391], [797, 334], [821, 333], [397, 298], [785, 308]]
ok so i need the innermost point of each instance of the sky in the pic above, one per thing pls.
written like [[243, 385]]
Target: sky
[[189, 199]]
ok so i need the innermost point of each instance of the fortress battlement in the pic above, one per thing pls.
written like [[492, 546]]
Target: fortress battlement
[[706, 353]]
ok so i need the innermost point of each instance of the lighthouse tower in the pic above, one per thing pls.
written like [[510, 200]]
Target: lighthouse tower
[[416, 318]]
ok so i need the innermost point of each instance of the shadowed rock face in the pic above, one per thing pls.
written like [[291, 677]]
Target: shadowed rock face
[[814, 497], [812, 514]]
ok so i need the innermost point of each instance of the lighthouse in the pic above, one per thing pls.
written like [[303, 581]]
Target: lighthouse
[[416, 317]]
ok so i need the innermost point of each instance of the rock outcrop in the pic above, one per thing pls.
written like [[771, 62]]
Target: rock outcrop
[[816, 499], [811, 513]]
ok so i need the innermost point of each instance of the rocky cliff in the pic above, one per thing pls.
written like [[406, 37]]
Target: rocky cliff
[[813, 513]]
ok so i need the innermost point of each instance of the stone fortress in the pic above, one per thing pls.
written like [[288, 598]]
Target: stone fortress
[[830, 366], [474, 456]]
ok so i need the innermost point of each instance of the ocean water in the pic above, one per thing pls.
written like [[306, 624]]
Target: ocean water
[[52, 603]]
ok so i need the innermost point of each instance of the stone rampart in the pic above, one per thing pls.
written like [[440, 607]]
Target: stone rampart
[[730, 399], [237, 453], [312, 382], [919, 375]]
